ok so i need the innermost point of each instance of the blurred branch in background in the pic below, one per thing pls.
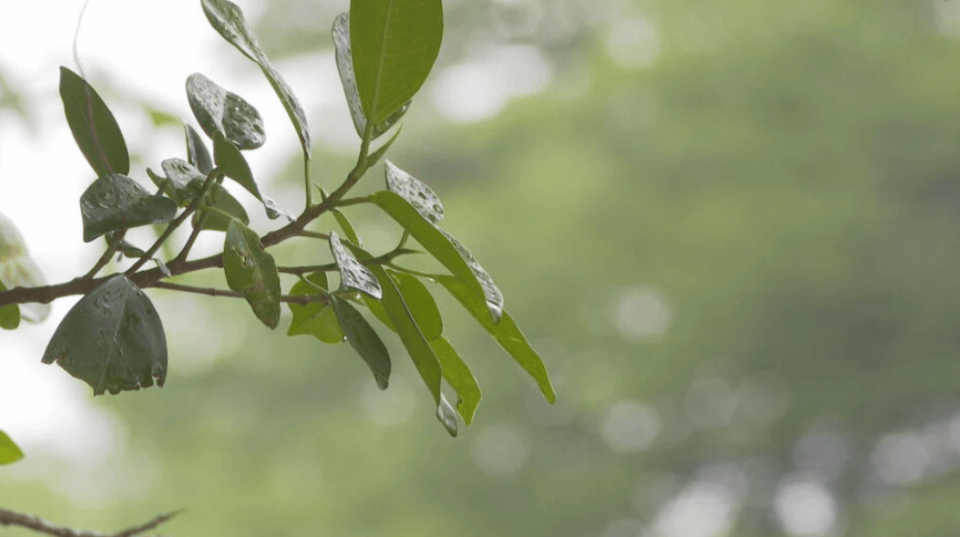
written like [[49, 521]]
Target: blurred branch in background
[[37, 524]]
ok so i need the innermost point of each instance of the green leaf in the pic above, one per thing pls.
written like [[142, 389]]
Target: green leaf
[[9, 452], [317, 319], [227, 19], [197, 152], [376, 308], [18, 269], [116, 202], [93, 126], [379, 153], [221, 199], [365, 340], [233, 164], [353, 275], [394, 44], [181, 181], [251, 271], [458, 375], [347, 227], [423, 199], [9, 314], [218, 110], [421, 304], [506, 332], [439, 244], [125, 248], [447, 416], [112, 339], [341, 41]]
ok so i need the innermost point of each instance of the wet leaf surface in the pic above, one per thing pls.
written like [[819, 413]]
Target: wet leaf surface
[[252, 272], [116, 202], [218, 110], [353, 275], [365, 340], [93, 126]]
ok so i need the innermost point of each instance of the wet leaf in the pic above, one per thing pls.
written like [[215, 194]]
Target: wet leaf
[[9, 314], [382, 150], [439, 244], [18, 269], [274, 210], [252, 272], [348, 79], [93, 126], [458, 375], [227, 19], [490, 290], [125, 248], [447, 416], [112, 339], [421, 304], [353, 274], [394, 44], [347, 227], [163, 267], [220, 198], [233, 164], [116, 202], [365, 340], [181, 181], [9, 451], [423, 199], [197, 152], [506, 333], [317, 319], [218, 110]]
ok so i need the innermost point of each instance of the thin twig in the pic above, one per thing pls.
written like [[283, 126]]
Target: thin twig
[[37, 524], [107, 255], [209, 291]]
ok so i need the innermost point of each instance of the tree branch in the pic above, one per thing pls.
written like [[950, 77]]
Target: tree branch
[[209, 291], [37, 524]]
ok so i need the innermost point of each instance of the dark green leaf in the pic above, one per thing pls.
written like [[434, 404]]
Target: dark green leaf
[[181, 180], [93, 126], [506, 332], [341, 41], [347, 227], [9, 452], [9, 315], [218, 110], [18, 269], [112, 339], [364, 339], [197, 152], [458, 375], [116, 202], [447, 416], [440, 246], [353, 275], [233, 164], [423, 199], [224, 201], [420, 303], [227, 19], [125, 248], [394, 44], [317, 319], [251, 271]]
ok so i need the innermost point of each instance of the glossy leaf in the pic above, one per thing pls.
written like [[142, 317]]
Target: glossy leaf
[[18, 269], [197, 152], [125, 248], [317, 319], [347, 227], [394, 44], [491, 292], [458, 375], [93, 126], [353, 274], [365, 340], [506, 333], [181, 181], [218, 110], [9, 314], [116, 202], [112, 339], [221, 199], [252, 272], [274, 210], [447, 416], [440, 246], [233, 164], [422, 197], [227, 19], [382, 150], [421, 304], [348, 79], [9, 451]]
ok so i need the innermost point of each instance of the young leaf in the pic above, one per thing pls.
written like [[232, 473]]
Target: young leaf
[[197, 152], [341, 41], [439, 244], [420, 303], [181, 181], [353, 275], [251, 271], [458, 375], [116, 202], [422, 197], [365, 340], [506, 332], [447, 416], [93, 126], [9, 452], [227, 19], [9, 314], [18, 269], [218, 110], [112, 339], [224, 201], [394, 44], [317, 319], [347, 227], [235, 166]]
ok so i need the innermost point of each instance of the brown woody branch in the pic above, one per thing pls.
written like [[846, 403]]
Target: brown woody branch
[[37, 524]]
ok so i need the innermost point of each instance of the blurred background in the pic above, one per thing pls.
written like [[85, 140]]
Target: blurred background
[[731, 228]]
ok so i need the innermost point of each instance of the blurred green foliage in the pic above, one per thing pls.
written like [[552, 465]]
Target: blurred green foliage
[[744, 247]]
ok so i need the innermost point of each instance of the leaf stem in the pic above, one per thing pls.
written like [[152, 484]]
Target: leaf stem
[[307, 182], [107, 255], [182, 256], [209, 291]]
